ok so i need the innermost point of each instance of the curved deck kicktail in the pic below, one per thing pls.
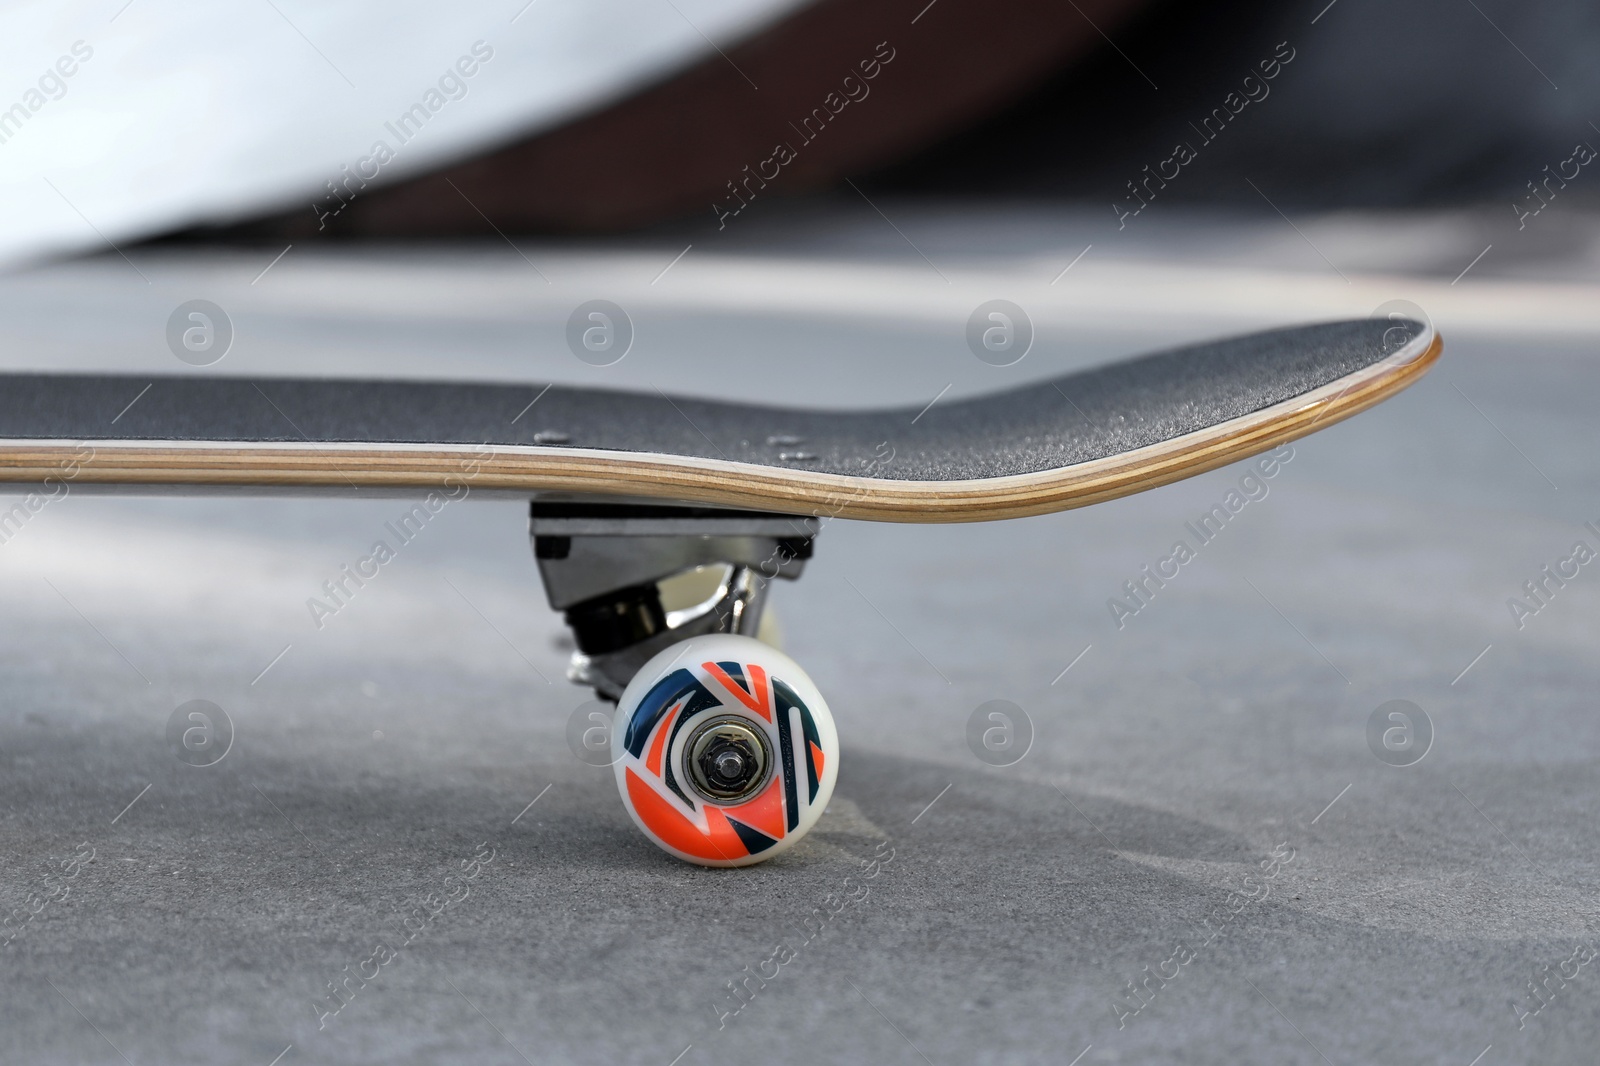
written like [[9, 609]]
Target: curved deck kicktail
[[725, 751]]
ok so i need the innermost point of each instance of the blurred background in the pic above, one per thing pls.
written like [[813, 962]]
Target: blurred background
[[334, 123]]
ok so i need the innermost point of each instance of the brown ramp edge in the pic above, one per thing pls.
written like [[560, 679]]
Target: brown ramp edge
[[1066, 442]]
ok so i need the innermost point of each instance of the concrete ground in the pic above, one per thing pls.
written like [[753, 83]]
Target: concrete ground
[[1202, 858]]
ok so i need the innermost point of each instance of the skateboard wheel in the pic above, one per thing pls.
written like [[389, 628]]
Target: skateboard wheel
[[728, 754]]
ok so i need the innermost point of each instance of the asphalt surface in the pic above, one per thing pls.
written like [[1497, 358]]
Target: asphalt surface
[[1200, 811]]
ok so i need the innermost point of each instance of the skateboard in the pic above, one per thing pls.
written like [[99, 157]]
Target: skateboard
[[723, 750]]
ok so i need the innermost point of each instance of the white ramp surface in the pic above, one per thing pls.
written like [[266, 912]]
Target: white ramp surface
[[124, 118]]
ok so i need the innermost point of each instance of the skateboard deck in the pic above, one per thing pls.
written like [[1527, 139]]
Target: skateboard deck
[[1047, 446]]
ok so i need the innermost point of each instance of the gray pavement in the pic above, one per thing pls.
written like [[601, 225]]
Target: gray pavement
[[1200, 801]]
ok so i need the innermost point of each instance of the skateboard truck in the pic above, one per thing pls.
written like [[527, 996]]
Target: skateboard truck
[[601, 564]]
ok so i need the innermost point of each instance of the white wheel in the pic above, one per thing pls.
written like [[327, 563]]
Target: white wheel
[[727, 752]]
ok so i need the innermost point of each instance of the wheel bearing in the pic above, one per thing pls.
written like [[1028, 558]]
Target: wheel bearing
[[728, 759]]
